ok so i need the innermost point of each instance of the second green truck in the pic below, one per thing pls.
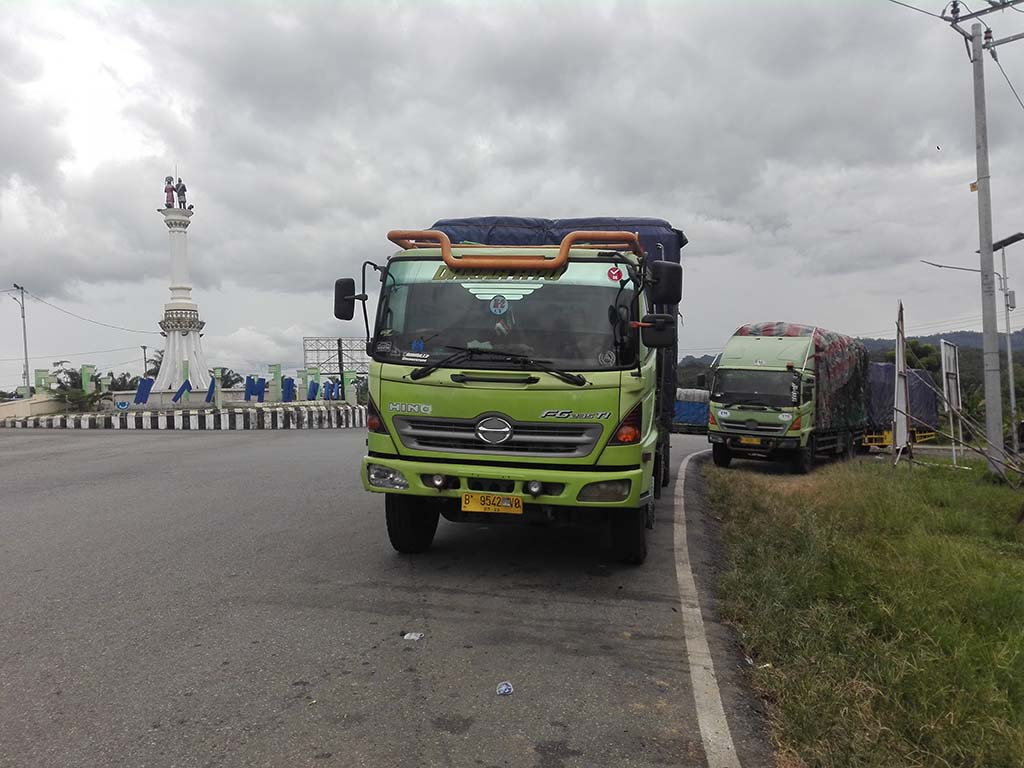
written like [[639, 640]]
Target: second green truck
[[790, 392]]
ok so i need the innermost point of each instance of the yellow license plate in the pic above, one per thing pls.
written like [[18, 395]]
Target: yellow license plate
[[489, 502], [750, 441]]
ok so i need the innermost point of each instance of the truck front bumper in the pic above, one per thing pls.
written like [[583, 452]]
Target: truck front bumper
[[754, 443], [589, 486]]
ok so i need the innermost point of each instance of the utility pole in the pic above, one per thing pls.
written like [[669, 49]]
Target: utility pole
[[979, 39], [145, 361], [990, 341], [24, 336]]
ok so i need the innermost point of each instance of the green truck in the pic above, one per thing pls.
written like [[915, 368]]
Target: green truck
[[520, 382], [791, 392]]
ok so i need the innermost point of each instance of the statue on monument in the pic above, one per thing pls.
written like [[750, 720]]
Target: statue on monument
[[181, 190], [168, 191]]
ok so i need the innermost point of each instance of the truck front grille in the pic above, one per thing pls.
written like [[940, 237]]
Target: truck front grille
[[567, 441], [753, 426]]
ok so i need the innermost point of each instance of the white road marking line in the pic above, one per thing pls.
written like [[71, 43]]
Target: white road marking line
[[714, 728]]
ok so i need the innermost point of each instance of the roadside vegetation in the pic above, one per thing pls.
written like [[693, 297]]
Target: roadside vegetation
[[883, 610]]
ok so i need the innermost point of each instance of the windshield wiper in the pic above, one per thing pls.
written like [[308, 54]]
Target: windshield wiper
[[541, 365], [461, 353], [466, 353]]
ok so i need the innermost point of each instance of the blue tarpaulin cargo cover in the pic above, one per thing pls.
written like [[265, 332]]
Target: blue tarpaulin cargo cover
[[692, 414], [924, 401], [514, 230]]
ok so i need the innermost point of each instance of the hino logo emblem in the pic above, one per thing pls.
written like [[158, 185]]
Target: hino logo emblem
[[493, 430]]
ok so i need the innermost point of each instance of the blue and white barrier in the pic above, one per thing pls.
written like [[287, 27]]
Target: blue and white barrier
[[320, 416]]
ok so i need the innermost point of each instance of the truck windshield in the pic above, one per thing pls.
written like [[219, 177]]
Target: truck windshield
[[562, 317], [736, 386]]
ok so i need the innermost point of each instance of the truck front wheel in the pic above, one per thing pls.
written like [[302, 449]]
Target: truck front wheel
[[721, 455], [412, 522], [629, 535], [803, 459]]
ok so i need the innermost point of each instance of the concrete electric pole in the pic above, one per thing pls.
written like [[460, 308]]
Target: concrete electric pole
[[24, 337], [145, 361], [979, 39], [990, 341]]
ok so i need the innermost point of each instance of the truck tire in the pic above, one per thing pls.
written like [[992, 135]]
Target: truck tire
[[629, 535], [721, 455], [852, 448], [412, 522], [803, 459]]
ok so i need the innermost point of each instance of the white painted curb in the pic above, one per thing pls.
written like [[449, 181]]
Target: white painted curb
[[320, 416]]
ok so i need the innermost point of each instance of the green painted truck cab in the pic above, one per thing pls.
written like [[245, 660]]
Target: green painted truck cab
[[505, 394]]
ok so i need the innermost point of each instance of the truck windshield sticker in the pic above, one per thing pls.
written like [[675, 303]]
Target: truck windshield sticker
[[418, 345], [606, 358], [499, 305], [444, 273], [615, 274]]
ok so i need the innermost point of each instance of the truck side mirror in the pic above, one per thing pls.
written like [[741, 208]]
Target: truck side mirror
[[344, 298], [658, 331], [702, 380], [666, 282]]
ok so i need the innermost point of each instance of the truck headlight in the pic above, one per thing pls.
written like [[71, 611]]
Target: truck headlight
[[380, 476], [607, 490]]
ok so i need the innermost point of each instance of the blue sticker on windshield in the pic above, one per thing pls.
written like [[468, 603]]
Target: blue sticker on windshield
[[418, 345], [499, 305]]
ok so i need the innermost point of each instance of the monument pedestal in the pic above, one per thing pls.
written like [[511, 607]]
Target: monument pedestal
[[181, 325]]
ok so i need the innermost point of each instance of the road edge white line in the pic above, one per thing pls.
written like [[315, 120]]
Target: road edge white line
[[719, 749]]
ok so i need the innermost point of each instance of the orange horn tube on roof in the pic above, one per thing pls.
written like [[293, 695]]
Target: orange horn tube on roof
[[410, 238]]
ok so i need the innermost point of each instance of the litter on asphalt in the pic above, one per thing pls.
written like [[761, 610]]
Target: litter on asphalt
[[412, 636], [505, 689]]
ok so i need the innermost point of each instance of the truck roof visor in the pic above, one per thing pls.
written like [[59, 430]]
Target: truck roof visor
[[411, 238]]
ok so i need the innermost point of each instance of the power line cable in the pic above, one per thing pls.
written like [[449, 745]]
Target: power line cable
[[65, 354], [919, 10], [978, 18], [1007, 78], [87, 320]]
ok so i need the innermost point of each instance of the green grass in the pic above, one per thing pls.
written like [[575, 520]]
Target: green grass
[[884, 611]]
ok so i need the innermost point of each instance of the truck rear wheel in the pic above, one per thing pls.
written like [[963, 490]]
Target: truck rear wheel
[[852, 448], [721, 455], [629, 535], [412, 522]]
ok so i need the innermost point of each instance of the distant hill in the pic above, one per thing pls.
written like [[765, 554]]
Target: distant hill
[[963, 339]]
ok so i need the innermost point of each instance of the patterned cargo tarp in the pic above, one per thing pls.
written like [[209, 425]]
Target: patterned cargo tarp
[[841, 369]]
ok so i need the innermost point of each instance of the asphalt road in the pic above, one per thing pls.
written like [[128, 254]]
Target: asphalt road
[[229, 599]]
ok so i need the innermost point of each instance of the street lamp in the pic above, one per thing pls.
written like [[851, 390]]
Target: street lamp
[[24, 336], [1009, 302]]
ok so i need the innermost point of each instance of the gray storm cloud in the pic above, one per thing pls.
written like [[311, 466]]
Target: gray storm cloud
[[800, 136]]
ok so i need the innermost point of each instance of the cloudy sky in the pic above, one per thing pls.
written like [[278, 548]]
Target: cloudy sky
[[811, 151]]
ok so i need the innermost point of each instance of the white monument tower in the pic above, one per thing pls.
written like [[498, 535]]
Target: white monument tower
[[183, 352]]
